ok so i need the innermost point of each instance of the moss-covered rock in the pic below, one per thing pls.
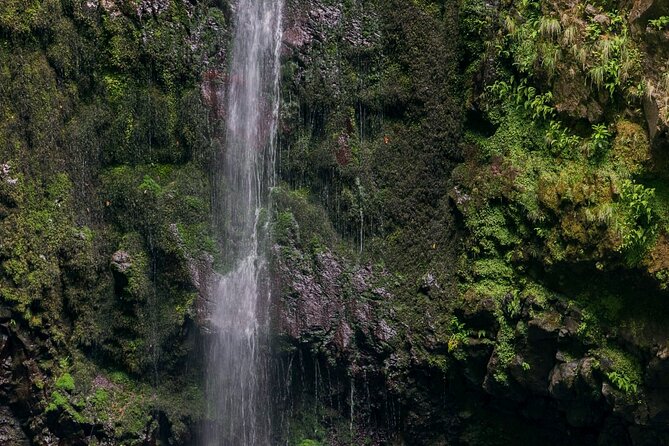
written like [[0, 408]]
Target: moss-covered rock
[[105, 145]]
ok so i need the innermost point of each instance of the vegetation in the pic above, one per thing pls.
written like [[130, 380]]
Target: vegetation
[[105, 148], [471, 199], [659, 23]]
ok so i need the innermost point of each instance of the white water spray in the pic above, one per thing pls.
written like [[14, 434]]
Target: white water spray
[[238, 400]]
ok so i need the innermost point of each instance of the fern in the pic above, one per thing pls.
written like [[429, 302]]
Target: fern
[[549, 27], [638, 227], [570, 35], [622, 382]]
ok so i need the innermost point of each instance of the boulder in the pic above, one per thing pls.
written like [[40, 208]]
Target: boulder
[[575, 388]]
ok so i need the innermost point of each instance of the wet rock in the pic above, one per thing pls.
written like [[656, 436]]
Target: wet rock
[[602, 19], [323, 15], [343, 336], [657, 385], [572, 95], [544, 328], [644, 437], [361, 280], [384, 332], [154, 7], [575, 388], [538, 353], [10, 429], [627, 406], [213, 91], [480, 315], [563, 381], [427, 283], [652, 114], [297, 36], [477, 352], [109, 6], [121, 261], [501, 386], [591, 10]]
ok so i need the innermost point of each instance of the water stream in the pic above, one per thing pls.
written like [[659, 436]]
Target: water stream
[[237, 392]]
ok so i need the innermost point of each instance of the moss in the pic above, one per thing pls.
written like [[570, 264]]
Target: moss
[[23, 18], [57, 401], [300, 219], [65, 382], [317, 425], [108, 142], [100, 399], [623, 369]]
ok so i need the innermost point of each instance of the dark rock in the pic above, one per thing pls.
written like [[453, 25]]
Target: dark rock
[[384, 332], [628, 407], [477, 352], [602, 19], [509, 389], [11, 433], [480, 315], [427, 283], [575, 388], [652, 114], [563, 381], [297, 36], [644, 437], [538, 353], [644, 10], [155, 7], [657, 387]]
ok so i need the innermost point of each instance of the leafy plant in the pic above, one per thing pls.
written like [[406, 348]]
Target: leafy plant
[[65, 382], [550, 27], [600, 141], [459, 335], [570, 35], [622, 382], [639, 226], [525, 96], [660, 23], [615, 60], [560, 140], [513, 305]]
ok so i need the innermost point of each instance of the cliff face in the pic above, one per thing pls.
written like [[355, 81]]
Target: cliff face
[[108, 124], [470, 230]]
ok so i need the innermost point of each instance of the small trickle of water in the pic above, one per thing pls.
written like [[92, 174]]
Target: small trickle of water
[[237, 393]]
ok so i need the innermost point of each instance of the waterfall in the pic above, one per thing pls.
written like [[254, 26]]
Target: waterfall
[[238, 402]]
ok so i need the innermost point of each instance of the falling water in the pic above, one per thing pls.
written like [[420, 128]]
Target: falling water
[[238, 400]]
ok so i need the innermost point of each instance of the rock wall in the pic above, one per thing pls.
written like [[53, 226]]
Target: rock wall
[[454, 245], [470, 229], [108, 132]]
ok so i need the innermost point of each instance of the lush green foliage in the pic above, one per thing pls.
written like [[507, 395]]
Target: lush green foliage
[[660, 23], [105, 144]]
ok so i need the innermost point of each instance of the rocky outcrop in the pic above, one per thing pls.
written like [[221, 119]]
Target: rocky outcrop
[[644, 10]]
